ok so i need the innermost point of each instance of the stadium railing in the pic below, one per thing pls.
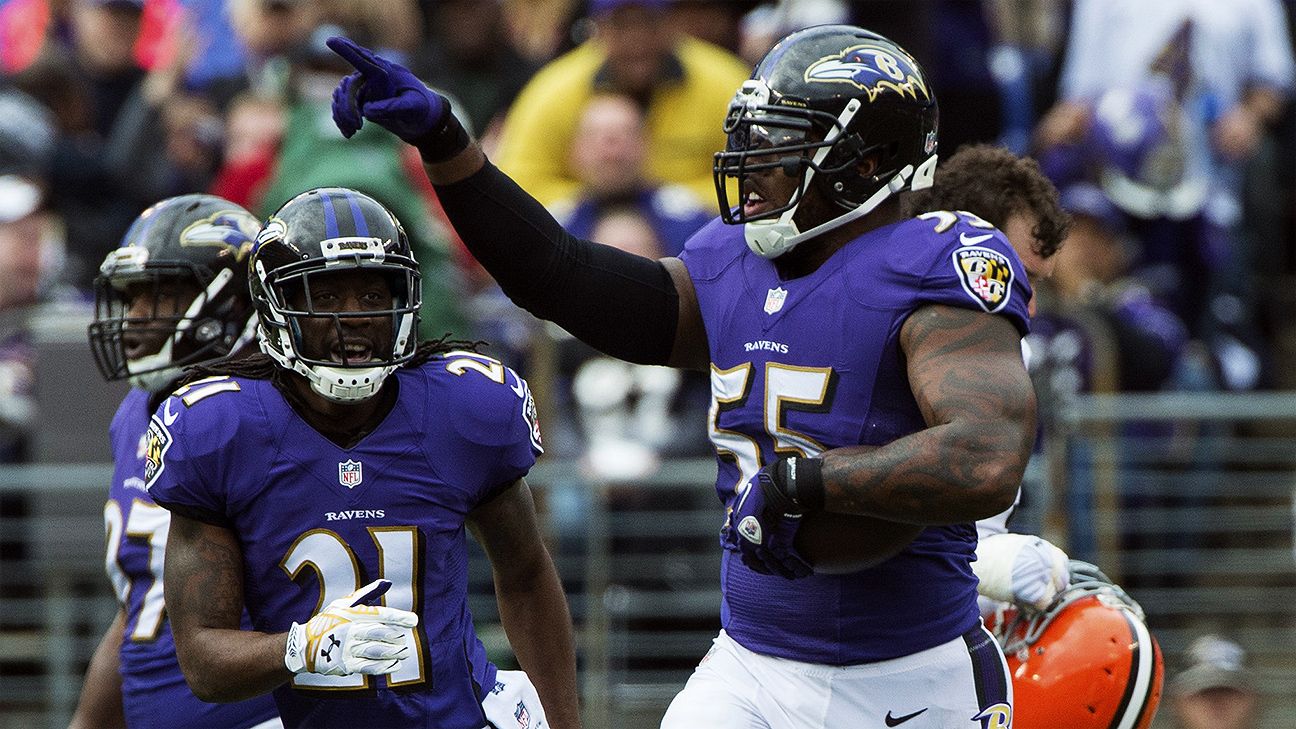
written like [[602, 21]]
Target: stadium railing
[[1186, 499]]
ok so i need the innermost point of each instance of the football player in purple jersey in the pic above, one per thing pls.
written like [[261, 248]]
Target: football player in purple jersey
[[862, 363], [327, 485], [174, 293]]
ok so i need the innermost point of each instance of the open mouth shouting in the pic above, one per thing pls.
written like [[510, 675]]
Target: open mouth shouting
[[352, 352], [755, 204], [137, 343]]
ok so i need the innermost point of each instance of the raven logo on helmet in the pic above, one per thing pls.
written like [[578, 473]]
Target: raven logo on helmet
[[143, 331], [222, 230], [275, 229], [998, 716], [872, 68]]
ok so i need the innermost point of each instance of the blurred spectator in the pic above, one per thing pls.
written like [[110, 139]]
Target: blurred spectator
[[970, 97], [631, 414], [165, 141], [1231, 66], [1173, 97], [1026, 38], [23, 26], [1094, 286], [22, 232], [1216, 690], [540, 29], [30, 252], [468, 53], [218, 58], [718, 22], [608, 156], [125, 136], [769, 22], [682, 84], [617, 206], [1134, 154], [103, 40], [396, 24], [254, 128], [272, 28], [312, 154]]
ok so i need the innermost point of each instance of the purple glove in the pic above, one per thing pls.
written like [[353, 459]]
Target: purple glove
[[389, 95], [763, 523]]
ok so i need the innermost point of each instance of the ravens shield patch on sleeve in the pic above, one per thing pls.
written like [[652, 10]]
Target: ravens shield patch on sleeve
[[158, 440], [986, 275]]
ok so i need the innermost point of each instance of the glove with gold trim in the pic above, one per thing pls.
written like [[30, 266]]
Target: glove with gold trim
[[351, 636]]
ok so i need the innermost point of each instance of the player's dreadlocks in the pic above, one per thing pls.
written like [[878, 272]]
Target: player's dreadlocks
[[260, 366]]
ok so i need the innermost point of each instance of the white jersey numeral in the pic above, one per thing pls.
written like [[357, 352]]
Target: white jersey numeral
[[338, 572], [787, 387], [946, 219], [151, 523], [464, 361]]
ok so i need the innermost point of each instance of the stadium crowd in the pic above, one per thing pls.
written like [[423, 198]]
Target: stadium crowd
[[1177, 172], [1168, 128]]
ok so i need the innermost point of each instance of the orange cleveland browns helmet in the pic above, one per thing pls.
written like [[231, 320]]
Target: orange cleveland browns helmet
[[1086, 662]]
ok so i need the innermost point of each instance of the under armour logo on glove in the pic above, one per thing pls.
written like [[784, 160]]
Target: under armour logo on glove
[[333, 643], [350, 636]]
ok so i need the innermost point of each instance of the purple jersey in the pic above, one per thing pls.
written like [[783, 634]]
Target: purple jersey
[[802, 366], [154, 692], [317, 521]]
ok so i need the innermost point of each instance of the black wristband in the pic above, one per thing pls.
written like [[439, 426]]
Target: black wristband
[[446, 141], [804, 482]]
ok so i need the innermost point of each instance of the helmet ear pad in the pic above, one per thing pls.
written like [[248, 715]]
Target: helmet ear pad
[[852, 171]]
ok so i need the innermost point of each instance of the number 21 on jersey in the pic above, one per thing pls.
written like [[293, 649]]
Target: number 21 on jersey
[[338, 572]]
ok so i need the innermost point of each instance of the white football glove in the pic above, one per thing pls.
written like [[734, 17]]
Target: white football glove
[[1022, 569], [349, 636]]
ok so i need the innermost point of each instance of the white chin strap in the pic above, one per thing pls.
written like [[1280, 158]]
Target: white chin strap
[[773, 238], [344, 384], [154, 380], [339, 384]]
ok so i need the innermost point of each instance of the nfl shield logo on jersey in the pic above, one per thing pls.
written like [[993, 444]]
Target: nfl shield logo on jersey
[[774, 300], [349, 474], [523, 716]]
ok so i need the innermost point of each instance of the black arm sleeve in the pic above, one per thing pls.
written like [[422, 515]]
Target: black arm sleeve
[[619, 303]]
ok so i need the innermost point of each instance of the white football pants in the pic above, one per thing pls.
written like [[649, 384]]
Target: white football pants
[[962, 684]]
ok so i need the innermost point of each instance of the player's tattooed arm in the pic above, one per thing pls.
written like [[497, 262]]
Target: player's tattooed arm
[[532, 606], [204, 599], [965, 369]]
